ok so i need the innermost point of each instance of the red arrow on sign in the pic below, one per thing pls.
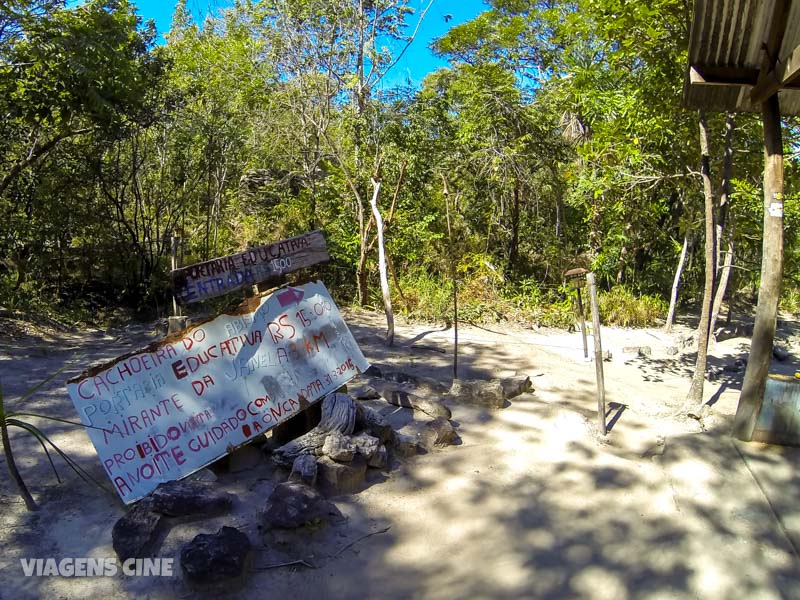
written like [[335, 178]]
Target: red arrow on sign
[[290, 296]]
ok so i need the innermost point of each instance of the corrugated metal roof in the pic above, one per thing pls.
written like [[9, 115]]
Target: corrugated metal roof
[[726, 53]]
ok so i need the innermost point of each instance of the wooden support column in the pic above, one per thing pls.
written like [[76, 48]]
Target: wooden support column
[[755, 376]]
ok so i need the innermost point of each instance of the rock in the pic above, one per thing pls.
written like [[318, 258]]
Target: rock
[[363, 391], [206, 475], [641, 351], [304, 470], [439, 432], [672, 350], [339, 478], [780, 353], [405, 445], [373, 371], [478, 392], [339, 447], [244, 458], [176, 324], [426, 384], [211, 558], [294, 504], [366, 445], [732, 331], [135, 534], [190, 498], [514, 386], [379, 460], [371, 421], [396, 395]]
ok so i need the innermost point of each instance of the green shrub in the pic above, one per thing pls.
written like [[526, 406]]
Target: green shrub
[[621, 307]]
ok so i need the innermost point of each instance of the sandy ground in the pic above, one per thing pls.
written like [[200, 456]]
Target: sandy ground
[[532, 503]]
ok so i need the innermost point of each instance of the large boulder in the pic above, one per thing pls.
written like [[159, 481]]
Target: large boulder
[[190, 498], [294, 504], [341, 478], [135, 534], [213, 558]]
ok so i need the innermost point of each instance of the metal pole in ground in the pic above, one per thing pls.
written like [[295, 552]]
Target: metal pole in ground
[[598, 354], [175, 240]]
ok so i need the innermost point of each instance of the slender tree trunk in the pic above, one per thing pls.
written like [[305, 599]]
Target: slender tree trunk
[[676, 284], [724, 276], [387, 298], [695, 395], [755, 376], [723, 271]]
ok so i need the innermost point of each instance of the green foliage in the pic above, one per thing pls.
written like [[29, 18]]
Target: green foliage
[[620, 306]]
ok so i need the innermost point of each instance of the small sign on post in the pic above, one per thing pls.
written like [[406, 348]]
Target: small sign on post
[[168, 410], [220, 276]]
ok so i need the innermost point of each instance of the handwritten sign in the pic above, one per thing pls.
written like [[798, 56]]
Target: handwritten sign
[[168, 410], [220, 276]]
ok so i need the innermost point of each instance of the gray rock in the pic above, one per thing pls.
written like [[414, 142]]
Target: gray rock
[[135, 534], [212, 558], [339, 478], [244, 458], [672, 350], [294, 504], [439, 432], [304, 470], [363, 391], [372, 422], [399, 396], [478, 392], [190, 498], [366, 445], [641, 351], [379, 460], [405, 445], [780, 353], [340, 448], [514, 386], [206, 475]]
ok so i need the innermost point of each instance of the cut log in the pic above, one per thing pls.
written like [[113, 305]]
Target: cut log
[[338, 415], [396, 395], [371, 421]]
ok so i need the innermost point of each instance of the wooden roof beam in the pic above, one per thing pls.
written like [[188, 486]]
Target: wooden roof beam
[[770, 81], [784, 73]]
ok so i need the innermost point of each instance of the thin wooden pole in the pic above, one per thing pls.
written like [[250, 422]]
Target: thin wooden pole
[[598, 354], [755, 376], [175, 240], [583, 324]]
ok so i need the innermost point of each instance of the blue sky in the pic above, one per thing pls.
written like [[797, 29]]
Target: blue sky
[[413, 66]]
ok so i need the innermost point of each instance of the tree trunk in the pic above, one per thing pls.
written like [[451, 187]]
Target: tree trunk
[[673, 299], [387, 298], [695, 395], [723, 272], [724, 276], [755, 375]]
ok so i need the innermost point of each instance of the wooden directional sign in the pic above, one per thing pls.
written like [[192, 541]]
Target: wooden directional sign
[[220, 276]]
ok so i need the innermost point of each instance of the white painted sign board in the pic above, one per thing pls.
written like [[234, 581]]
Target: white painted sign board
[[168, 410]]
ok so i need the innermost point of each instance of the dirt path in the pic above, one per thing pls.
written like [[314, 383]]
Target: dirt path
[[531, 504]]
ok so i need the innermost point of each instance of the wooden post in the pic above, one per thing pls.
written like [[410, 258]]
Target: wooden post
[[583, 324], [755, 376], [175, 240], [598, 354], [387, 297]]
